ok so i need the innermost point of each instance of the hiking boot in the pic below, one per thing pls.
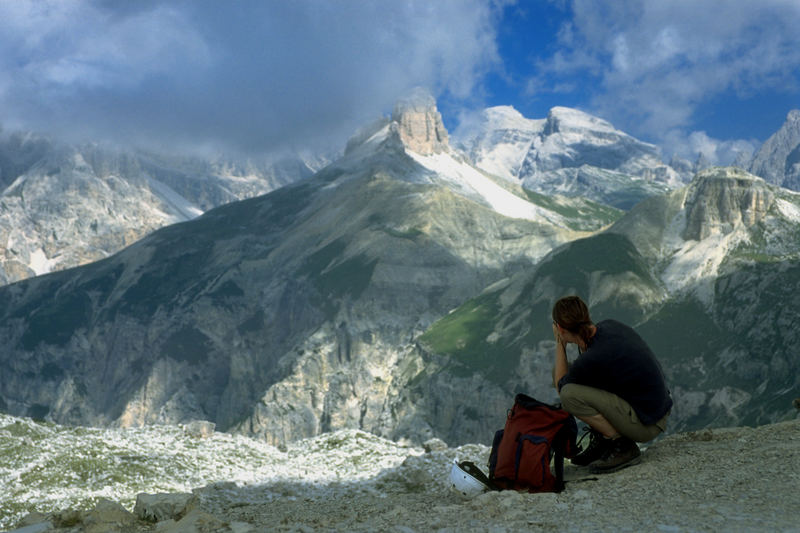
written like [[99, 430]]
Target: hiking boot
[[623, 452], [595, 450]]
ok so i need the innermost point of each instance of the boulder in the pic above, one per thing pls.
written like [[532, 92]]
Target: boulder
[[38, 527], [434, 445], [107, 516], [197, 521], [199, 429], [163, 506]]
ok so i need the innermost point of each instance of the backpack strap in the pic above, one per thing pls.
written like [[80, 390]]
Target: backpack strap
[[563, 444], [559, 468]]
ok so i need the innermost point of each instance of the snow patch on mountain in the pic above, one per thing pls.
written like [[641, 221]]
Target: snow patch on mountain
[[40, 263], [475, 184], [181, 208], [499, 139], [573, 123]]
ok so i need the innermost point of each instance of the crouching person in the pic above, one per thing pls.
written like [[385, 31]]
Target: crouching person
[[616, 386]]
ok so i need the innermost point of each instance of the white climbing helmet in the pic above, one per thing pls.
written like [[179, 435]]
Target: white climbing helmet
[[463, 482]]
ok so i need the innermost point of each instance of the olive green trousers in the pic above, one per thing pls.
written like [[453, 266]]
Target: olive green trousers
[[580, 400]]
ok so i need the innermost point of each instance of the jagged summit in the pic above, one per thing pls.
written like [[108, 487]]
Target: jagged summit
[[722, 198], [419, 123], [566, 119], [498, 139], [778, 159], [508, 117], [415, 125]]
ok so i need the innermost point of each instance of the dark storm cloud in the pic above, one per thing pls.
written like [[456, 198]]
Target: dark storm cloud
[[248, 76]]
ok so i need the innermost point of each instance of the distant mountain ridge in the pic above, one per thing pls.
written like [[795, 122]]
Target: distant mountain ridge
[[778, 159], [62, 205], [573, 153], [76, 204], [570, 153]]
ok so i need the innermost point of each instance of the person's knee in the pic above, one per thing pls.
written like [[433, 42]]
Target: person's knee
[[569, 397]]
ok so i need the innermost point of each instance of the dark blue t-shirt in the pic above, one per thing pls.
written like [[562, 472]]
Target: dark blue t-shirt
[[617, 360]]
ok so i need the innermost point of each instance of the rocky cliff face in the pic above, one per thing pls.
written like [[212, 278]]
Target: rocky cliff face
[[778, 159], [285, 315], [62, 206], [720, 200], [419, 124]]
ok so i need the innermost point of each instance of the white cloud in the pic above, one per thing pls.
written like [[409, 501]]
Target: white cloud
[[714, 151], [73, 43], [247, 75], [656, 62]]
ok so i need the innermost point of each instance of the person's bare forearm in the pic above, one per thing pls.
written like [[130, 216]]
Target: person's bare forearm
[[561, 365]]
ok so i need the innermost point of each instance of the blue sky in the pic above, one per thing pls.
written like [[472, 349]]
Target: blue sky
[[253, 76]]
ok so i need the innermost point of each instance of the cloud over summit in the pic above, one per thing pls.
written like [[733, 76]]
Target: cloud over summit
[[257, 76], [247, 76]]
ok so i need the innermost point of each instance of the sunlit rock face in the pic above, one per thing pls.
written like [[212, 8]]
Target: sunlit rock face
[[721, 198], [419, 124]]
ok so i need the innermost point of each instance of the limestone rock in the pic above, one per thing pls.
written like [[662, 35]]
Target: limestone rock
[[108, 516], [720, 199], [197, 521], [434, 445], [163, 506], [420, 124], [33, 525], [200, 429]]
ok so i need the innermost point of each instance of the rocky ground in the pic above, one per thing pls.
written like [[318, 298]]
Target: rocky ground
[[734, 479]]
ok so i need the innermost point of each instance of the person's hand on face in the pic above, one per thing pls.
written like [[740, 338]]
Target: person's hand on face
[[557, 335]]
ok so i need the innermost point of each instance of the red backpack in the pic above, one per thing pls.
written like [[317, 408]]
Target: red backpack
[[534, 433]]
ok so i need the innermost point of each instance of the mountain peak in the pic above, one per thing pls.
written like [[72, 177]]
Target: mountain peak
[[419, 123], [778, 159], [562, 119], [721, 198]]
